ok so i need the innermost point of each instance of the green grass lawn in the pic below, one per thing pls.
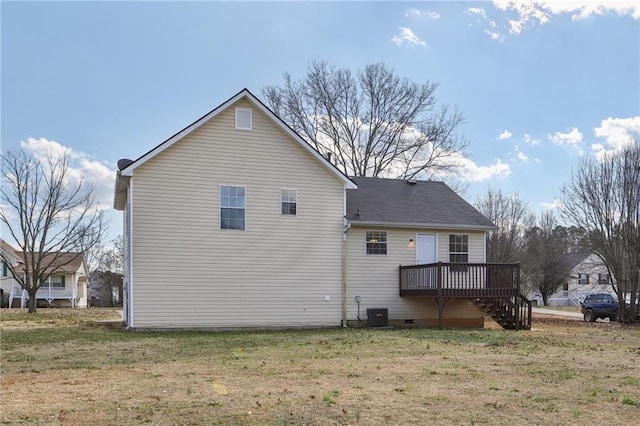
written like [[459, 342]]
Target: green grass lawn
[[59, 367]]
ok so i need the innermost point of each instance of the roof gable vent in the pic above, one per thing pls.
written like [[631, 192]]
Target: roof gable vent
[[244, 119]]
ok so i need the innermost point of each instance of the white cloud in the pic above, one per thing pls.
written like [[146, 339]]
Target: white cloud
[[493, 33], [555, 204], [421, 13], [529, 13], [82, 166], [505, 135], [572, 137], [476, 11], [520, 156], [470, 171], [409, 37], [618, 134], [529, 140]]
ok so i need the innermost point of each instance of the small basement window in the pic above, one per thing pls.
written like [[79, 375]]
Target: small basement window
[[244, 119]]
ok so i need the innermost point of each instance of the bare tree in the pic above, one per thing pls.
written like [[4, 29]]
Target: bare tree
[[373, 123], [49, 212], [513, 217], [603, 196], [108, 279], [546, 264]]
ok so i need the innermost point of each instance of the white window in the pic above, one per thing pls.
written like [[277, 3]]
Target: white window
[[232, 207], [289, 202], [54, 282], [244, 119], [583, 279], [458, 251], [376, 242]]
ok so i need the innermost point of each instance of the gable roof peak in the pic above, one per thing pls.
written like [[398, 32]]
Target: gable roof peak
[[128, 169]]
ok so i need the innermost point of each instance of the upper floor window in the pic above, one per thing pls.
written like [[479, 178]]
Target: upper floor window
[[376, 242], [289, 202], [5, 269], [583, 279], [603, 278], [232, 207], [458, 251]]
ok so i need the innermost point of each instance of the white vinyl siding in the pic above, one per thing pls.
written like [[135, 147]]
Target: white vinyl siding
[[188, 273], [375, 278]]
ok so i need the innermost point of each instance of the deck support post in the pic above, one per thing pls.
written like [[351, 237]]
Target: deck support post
[[442, 302]]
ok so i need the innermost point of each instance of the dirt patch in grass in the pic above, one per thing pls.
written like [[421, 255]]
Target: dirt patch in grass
[[562, 372]]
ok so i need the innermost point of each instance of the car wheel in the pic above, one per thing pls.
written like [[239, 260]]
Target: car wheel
[[589, 317]]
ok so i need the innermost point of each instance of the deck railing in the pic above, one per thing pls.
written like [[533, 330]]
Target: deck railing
[[460, 279], [45, 292]]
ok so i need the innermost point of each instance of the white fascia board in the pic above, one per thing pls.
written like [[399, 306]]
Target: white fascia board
[[128, 171], [439, 226], [348, 183]]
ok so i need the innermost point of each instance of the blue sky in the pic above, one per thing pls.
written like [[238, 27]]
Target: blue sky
[[541, 84]]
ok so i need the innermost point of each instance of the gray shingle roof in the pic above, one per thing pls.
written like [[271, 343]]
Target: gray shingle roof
[[395, 202]]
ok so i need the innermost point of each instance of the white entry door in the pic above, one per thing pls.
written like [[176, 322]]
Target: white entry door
[[426, 249], [426, 252]]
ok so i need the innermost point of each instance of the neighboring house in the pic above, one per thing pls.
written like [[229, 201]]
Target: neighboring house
[[237, 222], [65, 287], [588, 275], [105, 289]]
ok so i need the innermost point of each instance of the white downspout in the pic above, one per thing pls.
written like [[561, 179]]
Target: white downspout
[[129, 225], [344, 273]]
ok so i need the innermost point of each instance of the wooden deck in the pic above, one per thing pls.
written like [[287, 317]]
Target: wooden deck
[[493, 287]]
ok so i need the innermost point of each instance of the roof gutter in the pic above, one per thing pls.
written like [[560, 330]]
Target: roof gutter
[[425, 225]]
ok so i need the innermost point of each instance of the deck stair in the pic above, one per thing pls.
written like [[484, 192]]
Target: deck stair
[[510, 313]]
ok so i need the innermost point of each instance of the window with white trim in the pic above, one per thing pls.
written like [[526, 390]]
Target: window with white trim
[[603, 278], [376, 242], [54, 281], [232, 207], [289, 202], [583, 279], [244, 119], [458, 251]]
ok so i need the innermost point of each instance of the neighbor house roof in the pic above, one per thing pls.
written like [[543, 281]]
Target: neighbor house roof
[[128, 167], [62, 262], [401, 203], [574, 259], [8, 249]]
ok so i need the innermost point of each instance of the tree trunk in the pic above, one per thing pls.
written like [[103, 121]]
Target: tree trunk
[[120, 294], [32, 299]]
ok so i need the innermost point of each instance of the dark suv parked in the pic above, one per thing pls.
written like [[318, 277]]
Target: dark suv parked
[[600, 305]]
